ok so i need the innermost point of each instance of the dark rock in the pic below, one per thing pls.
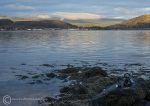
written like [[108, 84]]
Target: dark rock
[[127, 97], [49, 99], [75, 89], [51, 75], [96, 84], [65, 103], [134, 64], [47, 65], [119, 98], [65, 89], [145, 84], [38, 76], [70, 70], [148, 95], [82, 73], [22, 77], [95, 71], [127, 83], [31, 83], [38, 82], [119, 70], [23, 64], [70, 66]]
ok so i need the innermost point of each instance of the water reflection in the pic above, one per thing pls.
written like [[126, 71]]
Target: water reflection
[[61, 47], [65, 46]]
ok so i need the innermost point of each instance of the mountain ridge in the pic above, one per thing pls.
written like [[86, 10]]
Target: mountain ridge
[[139, 19], [102, 22], [7, 24], [140, 22]]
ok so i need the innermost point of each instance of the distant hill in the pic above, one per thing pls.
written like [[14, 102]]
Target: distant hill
[[141, 22], [7, 24], [95, 22], [15, 23], [43, 24], [144, 19]]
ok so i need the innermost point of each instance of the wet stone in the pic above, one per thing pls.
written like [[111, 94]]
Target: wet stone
[[95, 71], [87, 83], [82, 73], [75, 89], [47, 65], [36, 76], [51, 75], [70, 70], [23, 64], [22, 77], [119, 98]]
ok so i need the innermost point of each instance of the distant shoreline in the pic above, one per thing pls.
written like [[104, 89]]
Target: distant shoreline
[[74, 29], [137, 23]]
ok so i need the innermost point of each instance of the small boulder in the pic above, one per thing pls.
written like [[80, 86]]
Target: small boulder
[[51, 75], [70, 70], [47, 65], [75, 89], [94, 71]]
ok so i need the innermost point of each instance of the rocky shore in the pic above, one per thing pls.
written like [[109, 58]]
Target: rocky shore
[[85, 83]]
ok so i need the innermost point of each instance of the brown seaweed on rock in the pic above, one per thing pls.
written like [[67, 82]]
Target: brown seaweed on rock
[[88, 82], [82, 73], [89, 85]]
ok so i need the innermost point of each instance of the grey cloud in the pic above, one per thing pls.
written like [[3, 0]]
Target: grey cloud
[[18, 7]]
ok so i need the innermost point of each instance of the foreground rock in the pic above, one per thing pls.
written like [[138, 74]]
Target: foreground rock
[[82, 73], [79, 95], [127, 96], [121, 98], [88, 82]]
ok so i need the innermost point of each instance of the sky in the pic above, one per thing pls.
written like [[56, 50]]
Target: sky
[[75, 9]]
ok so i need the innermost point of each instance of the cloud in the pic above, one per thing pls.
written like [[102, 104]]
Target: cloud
[[75, 9], [118, 17], [43, 16], [18, 7], [146, 9], [74, 16], [126, 12], [122, 10]]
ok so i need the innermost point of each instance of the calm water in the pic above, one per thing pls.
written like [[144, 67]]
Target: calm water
[[60, 47]]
